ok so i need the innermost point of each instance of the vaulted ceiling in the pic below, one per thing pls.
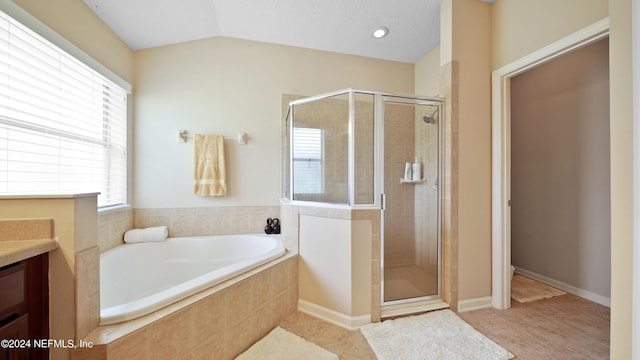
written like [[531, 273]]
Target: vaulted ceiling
[[343, 26]]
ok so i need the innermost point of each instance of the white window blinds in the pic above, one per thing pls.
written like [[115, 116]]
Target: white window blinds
[[308, 166], [63, 126]]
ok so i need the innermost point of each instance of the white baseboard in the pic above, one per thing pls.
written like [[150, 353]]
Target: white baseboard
[[332, 316], [597, 298], [474, 304]]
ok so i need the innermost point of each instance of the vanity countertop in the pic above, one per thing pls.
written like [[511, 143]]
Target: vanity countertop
[[12, 251]]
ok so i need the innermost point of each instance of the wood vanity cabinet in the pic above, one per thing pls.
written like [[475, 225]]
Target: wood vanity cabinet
[[24, 308]]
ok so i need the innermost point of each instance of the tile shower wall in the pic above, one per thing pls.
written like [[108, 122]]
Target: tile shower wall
[[426, 196], [332, 115], [399, 144]]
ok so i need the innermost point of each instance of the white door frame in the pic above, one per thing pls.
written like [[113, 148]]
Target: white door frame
[[501, 151]]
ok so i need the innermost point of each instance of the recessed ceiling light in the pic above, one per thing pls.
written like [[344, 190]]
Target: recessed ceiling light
[[380, 32]]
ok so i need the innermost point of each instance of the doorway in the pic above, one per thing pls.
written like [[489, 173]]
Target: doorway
[[560, 178], [501, 152]]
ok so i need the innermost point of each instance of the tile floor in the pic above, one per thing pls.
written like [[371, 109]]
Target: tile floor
[[563, 327], [348, 345]]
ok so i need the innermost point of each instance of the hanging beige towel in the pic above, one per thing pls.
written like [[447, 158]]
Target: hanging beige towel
[[208, 164]]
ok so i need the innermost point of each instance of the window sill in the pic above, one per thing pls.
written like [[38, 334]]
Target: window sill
[[114, 208]]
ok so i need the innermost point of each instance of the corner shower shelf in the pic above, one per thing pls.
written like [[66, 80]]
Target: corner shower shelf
[[421, 181]]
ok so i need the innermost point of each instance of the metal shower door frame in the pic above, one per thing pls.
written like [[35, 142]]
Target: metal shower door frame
[[380, 100]]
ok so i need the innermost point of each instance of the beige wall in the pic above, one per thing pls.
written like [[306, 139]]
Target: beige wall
[[77, 23], [521, 27], [467, 25], [226, 86], [560, 223], [427, 74]]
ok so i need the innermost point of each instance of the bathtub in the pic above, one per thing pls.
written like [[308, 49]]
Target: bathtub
[[137, 279]]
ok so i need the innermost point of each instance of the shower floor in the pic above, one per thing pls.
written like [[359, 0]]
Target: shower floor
[[406, 282]]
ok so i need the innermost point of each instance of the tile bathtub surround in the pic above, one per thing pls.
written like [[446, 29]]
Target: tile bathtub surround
[[87, 290], [112, 224], [26, 229], [207, 220], [222, 321]]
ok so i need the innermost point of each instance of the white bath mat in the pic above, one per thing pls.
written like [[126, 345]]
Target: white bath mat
[[280, 344], [436, 335]]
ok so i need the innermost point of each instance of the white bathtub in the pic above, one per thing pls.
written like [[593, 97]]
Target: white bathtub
[[137, 279]]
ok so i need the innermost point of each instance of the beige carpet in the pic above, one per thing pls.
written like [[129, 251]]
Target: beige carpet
[[524, 290], [280, 344], [437, 335]]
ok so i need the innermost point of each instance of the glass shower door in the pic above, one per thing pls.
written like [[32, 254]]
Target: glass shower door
[[411, 216]]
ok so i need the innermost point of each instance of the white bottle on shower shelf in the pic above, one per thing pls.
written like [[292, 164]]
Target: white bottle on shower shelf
[[417, 169], [407, 171]]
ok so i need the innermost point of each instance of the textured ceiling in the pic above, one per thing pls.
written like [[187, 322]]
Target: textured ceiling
[[342, 26]]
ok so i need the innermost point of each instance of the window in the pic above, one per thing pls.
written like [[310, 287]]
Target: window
[[63, 126], [308, 167]]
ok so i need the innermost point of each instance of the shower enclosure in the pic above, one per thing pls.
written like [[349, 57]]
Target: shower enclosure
[[350, 149]]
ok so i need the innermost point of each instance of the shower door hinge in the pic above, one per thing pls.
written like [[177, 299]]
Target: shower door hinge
[[509, 203], [382, 201]]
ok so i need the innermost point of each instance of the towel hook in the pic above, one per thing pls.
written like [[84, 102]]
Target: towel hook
[[182, 136]]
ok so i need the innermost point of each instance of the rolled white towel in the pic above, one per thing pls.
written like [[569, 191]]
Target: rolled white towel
[[150, 234]]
